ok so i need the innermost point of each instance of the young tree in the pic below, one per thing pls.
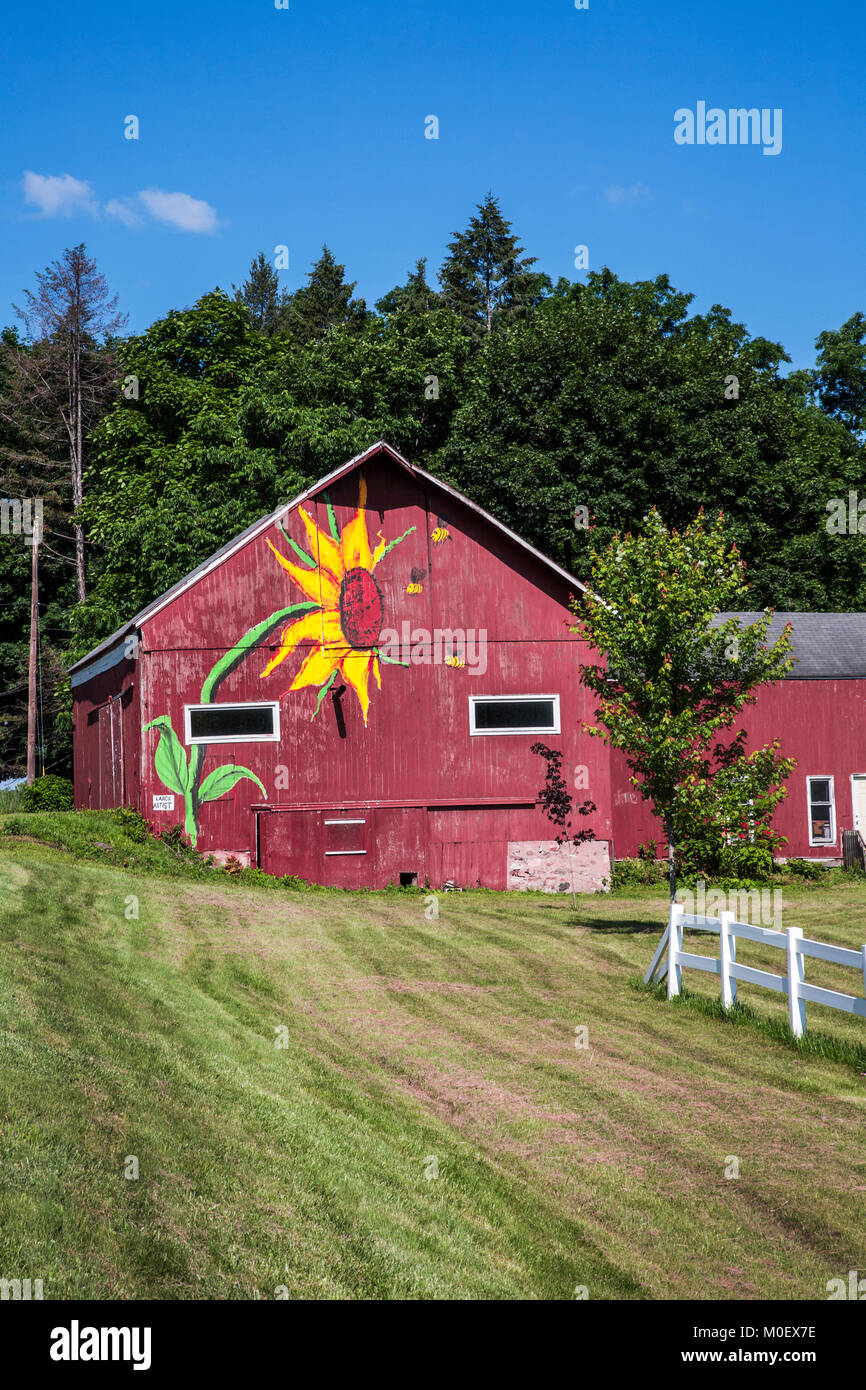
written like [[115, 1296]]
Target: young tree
[[261, 296], [324, 303], [65, 372], [486, 275], [674, 676]]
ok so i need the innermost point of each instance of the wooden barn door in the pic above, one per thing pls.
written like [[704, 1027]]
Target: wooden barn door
[[111, 782]]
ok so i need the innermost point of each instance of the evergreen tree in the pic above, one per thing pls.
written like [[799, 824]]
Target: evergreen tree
[[261, 296], [486, 275], [324, 303], [415, 297]]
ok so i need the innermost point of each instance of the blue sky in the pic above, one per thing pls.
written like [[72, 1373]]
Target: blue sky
[[262, 127]]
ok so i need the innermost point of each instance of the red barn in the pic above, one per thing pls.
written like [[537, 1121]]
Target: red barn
[[818, 713], [350, 690]]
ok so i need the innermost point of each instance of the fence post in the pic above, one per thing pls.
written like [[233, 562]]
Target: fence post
[[675, 946], [864, 969], [728, 944], [796, 977]]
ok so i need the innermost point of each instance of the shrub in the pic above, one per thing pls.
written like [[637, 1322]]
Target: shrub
[[48, 794], [631, 871], [174, 838], [806, 868], [131, 822]]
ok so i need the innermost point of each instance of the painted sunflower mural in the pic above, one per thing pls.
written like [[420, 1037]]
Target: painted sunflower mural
[[337, 575]]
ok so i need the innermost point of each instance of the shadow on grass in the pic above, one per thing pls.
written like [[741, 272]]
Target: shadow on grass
[[605, 926]]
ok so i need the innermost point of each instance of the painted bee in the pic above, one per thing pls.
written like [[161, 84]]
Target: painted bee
[[415, 586], [440, 533], [455, 662]]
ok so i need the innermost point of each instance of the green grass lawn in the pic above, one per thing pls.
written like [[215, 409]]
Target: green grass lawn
[[410, 1044]]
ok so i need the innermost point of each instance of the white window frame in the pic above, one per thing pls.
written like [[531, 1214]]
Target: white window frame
[[474, 700], [821, 777], [344, 853], [232, 738]]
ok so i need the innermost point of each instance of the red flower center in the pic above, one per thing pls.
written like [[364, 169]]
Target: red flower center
[[360, 609]]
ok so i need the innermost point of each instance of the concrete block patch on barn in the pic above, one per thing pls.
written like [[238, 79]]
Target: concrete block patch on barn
[[551, 868]]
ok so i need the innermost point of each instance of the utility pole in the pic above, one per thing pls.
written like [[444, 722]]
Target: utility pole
[[31, 675]]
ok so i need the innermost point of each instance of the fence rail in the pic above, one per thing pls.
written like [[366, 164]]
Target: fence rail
[[670, 960]]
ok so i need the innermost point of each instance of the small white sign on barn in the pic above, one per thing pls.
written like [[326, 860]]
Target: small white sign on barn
[[163, 803]]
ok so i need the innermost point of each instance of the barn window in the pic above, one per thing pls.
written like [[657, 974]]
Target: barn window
[[514, 714], [249, 723], [822, 811], [344, 836]]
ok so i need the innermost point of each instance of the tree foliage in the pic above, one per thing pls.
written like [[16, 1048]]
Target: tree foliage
[[673, 676], [324, 303]]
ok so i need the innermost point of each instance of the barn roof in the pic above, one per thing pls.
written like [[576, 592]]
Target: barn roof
[[266, 522], [824, 645]]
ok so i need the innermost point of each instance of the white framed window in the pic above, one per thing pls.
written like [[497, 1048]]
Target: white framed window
[[513, 714], [821, 797], [256, 722], [345, 836]]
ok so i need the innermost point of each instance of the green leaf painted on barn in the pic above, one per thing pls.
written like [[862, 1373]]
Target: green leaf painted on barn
[[170, 759], [223, 779]]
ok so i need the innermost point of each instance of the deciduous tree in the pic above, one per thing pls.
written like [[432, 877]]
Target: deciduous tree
[[673, 676]]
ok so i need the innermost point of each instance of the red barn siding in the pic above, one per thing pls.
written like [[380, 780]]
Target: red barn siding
[[107, 739], [821, 723]]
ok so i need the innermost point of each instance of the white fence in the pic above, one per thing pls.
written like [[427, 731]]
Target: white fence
[[670, 959]]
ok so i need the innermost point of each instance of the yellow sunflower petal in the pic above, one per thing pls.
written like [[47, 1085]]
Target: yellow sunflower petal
[[316, 584], [356, 670], [355, 545], [320, 627], [323, 548], [354, 542], [308, 626], [318, 666], [376, 672]]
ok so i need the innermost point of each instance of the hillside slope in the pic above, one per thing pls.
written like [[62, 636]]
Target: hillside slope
[[411, 1047]]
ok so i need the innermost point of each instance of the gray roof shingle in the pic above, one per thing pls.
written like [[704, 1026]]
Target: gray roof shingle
[[825, 646]]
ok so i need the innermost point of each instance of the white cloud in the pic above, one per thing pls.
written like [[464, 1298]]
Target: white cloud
[[124, 212], [617, 195], [179, 210], [64, 196], [58, 196]]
